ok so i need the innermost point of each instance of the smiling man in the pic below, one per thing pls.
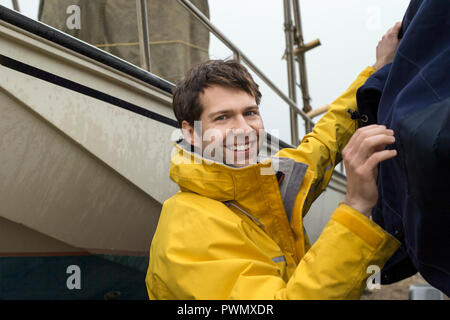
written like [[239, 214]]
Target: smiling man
[[223, 121], [235, 228]]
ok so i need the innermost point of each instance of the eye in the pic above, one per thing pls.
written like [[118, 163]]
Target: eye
[[219, 118], [251, 113]]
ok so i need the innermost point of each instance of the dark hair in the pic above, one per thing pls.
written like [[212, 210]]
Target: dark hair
[[230, 73]]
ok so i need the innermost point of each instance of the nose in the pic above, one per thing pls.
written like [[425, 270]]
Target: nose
[[241, 126], [241, 131]]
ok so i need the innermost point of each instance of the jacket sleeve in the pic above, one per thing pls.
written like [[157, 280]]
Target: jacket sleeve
[[321, 149], [197, 254], [337, 265]]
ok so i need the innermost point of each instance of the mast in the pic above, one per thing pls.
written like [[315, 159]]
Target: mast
[[299, 53], [289, 54]]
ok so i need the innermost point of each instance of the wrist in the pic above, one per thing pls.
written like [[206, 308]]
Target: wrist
[[379, 64], [359, 206]]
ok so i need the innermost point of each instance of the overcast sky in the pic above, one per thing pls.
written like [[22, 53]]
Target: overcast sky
[[349, 31]]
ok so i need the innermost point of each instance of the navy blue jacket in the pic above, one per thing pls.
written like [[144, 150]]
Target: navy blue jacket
[[412, 97]]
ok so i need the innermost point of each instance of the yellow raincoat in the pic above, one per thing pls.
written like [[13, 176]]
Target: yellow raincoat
[[226, 234]]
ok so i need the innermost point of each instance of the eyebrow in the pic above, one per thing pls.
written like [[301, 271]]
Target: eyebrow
[[227, 111]]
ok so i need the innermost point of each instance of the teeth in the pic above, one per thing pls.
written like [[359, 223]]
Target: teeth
[[240, 147]]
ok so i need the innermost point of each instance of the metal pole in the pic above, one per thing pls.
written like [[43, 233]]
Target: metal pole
[[301, 61], [144, 41], [15, 4], [289, 35], [318, 111], [236, 56]]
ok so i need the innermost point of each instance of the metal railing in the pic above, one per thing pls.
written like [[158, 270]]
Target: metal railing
[[15, 5], [143, 32]]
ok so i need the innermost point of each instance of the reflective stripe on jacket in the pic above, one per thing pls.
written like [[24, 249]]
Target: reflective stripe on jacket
[[226, 233]]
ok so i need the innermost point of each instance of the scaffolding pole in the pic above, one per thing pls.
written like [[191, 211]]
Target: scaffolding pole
[[289, 53], [144, 41], [299, 52]]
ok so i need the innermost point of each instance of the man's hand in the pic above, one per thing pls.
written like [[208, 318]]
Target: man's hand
[[363, 153], [387, 47]]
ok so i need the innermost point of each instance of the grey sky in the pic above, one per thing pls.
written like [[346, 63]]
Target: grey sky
[[349, 31]]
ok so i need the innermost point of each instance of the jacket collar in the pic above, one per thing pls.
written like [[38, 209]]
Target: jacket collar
[[222, 182], [213, 179]]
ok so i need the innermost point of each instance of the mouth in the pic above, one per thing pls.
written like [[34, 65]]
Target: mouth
[[241, 147], [240, 154]]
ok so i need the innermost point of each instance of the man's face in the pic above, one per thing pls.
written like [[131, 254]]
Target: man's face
[[230, 126]]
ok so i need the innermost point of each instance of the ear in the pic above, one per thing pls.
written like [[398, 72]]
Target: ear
[[188, 132]]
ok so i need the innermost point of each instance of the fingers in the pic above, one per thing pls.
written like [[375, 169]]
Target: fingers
[[387, 47], [363, 153], [378, 157], [393, 32], [365, 135], [366, 132], [371, 145], [397, 27], [366, 142]]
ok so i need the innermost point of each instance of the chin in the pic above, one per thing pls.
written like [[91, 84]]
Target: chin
[[240, 164]]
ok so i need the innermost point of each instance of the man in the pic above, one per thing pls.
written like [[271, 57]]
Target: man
[[234, 230]]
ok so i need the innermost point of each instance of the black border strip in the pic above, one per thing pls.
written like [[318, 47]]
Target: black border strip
[[74, 86]]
